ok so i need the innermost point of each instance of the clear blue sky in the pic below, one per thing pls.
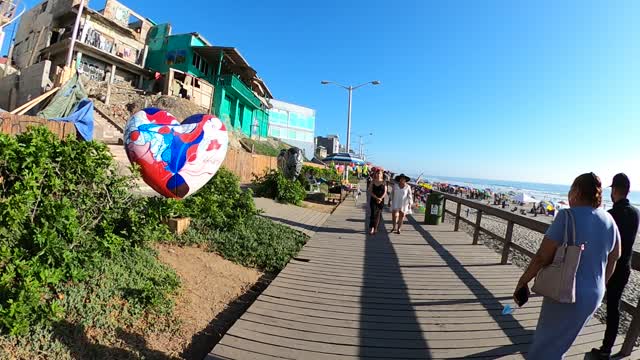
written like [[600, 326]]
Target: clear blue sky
[[536, 91]]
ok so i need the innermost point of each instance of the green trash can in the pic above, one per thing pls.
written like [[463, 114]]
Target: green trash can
[[434, 209]]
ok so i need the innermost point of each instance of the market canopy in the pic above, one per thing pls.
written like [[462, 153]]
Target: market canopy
[[344, 158], [524, 198]]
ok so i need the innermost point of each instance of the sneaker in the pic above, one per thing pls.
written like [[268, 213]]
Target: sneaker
[[600, 355]]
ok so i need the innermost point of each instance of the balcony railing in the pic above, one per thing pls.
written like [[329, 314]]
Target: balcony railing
[[233, 82]]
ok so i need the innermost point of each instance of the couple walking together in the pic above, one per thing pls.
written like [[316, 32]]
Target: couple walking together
[[605, 240], [400, 196]]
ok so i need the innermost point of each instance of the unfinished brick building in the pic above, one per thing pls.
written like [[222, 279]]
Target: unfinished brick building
[[110, 43]]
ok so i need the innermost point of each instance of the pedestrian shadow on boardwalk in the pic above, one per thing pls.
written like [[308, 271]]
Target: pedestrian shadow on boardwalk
[[519, 336], [374, 322]]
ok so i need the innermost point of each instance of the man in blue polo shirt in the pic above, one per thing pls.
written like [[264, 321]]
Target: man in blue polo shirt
[[626, 217]]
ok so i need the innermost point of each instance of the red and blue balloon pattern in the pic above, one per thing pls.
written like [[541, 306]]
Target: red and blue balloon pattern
[[176, 159]]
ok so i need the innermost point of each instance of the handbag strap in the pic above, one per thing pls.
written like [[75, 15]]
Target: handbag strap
[[570, 240]]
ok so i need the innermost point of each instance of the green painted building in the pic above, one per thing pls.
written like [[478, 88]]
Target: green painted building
[[240, 96]]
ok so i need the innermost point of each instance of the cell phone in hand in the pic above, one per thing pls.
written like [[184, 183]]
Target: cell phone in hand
[[522, 296]]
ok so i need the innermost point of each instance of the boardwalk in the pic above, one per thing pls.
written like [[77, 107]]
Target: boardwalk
[[301, 219], [425, 294]]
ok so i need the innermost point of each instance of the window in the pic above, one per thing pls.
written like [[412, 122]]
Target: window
[[196, 60], [43, 8], [200, 64]]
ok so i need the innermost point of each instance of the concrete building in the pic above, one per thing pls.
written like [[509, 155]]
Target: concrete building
[[293, 124], [321, 152], [18, 88], [110, 44], [239, 95], [331, 143]]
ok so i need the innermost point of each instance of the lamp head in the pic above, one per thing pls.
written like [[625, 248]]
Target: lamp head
[[325, 82], [375, 82]]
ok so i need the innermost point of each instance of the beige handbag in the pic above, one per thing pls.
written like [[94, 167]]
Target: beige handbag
[[558, 279]]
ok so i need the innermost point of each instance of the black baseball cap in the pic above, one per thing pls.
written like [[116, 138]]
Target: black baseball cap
[[621, 181]]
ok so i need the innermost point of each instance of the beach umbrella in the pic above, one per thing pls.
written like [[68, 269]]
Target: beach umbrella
[[547, 205], [523, 198], [344, 158]]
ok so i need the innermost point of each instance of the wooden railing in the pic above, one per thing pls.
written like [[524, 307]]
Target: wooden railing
[[538, 226]]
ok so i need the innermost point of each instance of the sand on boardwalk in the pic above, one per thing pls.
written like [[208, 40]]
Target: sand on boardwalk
[[326, 208]]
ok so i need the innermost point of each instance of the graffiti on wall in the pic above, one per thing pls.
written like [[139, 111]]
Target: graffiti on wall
[[99, 40], [94, 72], [117, 12], [108, 44], [128, 53]]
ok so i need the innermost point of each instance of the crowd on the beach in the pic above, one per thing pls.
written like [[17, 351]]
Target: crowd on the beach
[[584, 239]]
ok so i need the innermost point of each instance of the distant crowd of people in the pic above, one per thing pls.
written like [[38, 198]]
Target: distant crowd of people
[[605, 241]]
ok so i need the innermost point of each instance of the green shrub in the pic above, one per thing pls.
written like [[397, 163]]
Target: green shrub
[[74, 241], [257, 242], [329, 174], [63, 210], [274, 185], [221, 203]]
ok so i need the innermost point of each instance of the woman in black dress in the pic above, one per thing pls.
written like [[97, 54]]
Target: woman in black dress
[[377, 191]]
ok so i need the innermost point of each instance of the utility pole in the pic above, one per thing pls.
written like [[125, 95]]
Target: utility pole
[[7, 16], [74, 35], [361, 151], [350, 89]]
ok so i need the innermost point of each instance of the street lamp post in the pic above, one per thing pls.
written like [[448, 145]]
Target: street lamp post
[[362, 145], [350, 89]]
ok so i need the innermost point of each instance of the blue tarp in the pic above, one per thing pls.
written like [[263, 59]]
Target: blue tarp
[[82, 118]]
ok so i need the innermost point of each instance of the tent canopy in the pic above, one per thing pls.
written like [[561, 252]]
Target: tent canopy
[[344, 158], [524, 198]]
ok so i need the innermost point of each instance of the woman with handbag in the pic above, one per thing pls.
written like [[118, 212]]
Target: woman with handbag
[[577, 256]]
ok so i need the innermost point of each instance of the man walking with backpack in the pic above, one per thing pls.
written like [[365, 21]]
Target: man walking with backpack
[[626, 217]]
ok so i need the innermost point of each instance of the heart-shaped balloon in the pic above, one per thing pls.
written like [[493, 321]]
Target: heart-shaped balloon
[[177, 159]]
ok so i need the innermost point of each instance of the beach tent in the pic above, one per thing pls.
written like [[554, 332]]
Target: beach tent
[[344, 158], [523, 198]]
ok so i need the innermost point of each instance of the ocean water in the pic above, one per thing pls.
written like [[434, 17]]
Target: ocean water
[[539, 191]]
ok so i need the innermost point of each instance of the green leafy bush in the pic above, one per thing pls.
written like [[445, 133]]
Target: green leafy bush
[[74, 241], [63, 210], [221, 204], [257, 242], [329, 174], [274, 185]]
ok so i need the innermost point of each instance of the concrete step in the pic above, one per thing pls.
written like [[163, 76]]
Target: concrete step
[[104, 131], [120, 156]]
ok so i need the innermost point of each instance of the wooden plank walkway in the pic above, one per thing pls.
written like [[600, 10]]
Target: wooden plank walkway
[[299, 218], [425, 294]]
